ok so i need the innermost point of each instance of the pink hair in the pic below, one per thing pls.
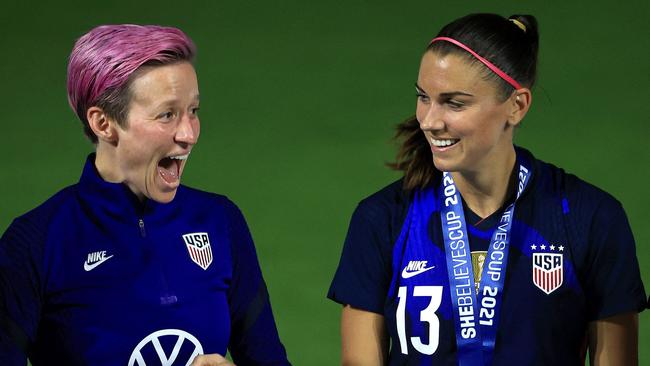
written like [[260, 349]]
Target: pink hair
[[103, 59]]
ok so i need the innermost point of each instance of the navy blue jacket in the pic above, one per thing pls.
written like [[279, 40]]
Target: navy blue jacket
[[543, 318], [95, 277]]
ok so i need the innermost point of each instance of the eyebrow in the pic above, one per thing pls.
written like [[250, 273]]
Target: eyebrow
[[172, 101], [445, 95]]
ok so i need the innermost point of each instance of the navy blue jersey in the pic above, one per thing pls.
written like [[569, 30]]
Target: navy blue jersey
[[95, 277], [572, 260]]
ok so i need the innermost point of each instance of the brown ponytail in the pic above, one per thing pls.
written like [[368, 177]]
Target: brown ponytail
[[414, 156]]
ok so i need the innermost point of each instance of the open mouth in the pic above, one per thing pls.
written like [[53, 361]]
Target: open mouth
[[169, 168], [444, 142]]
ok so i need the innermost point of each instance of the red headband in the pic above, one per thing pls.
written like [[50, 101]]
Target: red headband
[[487, 63]]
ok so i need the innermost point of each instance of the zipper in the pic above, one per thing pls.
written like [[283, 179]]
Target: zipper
[[143, 232], [166, 298]]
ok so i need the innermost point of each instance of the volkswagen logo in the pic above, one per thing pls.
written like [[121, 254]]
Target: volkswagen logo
[[166, 357]]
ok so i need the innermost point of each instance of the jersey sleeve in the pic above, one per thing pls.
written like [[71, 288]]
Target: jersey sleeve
[[20, 291], [613, 282], [363, 275], [254, 338]]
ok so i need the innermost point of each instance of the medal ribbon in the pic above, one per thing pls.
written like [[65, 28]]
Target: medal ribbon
[[476, 324]]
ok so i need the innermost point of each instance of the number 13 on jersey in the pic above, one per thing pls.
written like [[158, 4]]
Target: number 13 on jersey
[[427, 315]]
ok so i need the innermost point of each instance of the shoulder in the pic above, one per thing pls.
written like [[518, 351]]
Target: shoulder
[[585, 206], [197, 195], [38, 219], [389, 202], [602, 245], [552, 183], [217, 208], [378, 219], [578, 195], [364, 272], [207, 202], [23, 244]]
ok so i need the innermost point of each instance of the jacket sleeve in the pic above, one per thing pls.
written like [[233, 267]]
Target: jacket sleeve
[[254, 338], [20, 291], [363, 275], [613, 281]]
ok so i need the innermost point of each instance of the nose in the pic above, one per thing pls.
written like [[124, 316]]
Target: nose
[[431, 118], [188, 130]]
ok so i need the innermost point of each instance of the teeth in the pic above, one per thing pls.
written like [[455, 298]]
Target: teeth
[[443, 143], [179, 157]]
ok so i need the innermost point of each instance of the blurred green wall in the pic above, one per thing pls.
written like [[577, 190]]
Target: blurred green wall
[[299, 100]]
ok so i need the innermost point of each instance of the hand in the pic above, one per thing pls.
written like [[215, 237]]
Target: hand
[[213, 359]]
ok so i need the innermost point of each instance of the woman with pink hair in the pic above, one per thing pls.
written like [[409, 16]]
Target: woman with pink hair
[[128, 266]]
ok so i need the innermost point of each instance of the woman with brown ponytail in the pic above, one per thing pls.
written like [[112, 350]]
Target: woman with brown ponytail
[[481, 254]]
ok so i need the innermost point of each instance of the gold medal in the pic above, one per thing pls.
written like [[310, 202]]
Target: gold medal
[[478, 258]]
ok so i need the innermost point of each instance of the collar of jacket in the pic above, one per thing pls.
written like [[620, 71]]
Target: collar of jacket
[[116, 201]]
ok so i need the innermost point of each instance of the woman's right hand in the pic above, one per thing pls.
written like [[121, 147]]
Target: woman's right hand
[[213, 359]]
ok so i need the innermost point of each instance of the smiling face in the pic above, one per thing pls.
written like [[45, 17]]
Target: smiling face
[[150, 152], [467, 126]]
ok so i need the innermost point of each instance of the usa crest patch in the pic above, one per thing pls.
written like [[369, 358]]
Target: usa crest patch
[[548, 273], [198, 245]]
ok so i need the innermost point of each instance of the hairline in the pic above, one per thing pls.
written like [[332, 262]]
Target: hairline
[[126, 89], [503, 90]]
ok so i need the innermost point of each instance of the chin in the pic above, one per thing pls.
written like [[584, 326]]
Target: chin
[[163, 197], [444, 166]]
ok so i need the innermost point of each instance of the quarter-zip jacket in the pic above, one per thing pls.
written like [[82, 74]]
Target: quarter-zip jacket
[[95, 277]]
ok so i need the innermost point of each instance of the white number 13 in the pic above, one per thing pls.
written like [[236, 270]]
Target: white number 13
[[427, 315]]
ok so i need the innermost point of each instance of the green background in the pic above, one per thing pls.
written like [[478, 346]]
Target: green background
[[299, 101]]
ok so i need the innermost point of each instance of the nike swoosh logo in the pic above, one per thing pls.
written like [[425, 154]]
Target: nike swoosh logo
[[90, 267], [407, 274]]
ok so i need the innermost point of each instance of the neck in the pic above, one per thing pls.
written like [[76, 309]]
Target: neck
[[105, 163], [486, 190]]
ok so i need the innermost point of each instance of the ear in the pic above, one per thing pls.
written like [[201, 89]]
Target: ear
[[520, 102], [101, 125]]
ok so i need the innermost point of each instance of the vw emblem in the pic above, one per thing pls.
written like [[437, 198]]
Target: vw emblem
[[166, 358]]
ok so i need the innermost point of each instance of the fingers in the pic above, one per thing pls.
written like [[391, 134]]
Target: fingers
[[213, 359]]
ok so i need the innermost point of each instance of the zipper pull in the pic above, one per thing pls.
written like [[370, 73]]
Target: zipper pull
[[143, 232]]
